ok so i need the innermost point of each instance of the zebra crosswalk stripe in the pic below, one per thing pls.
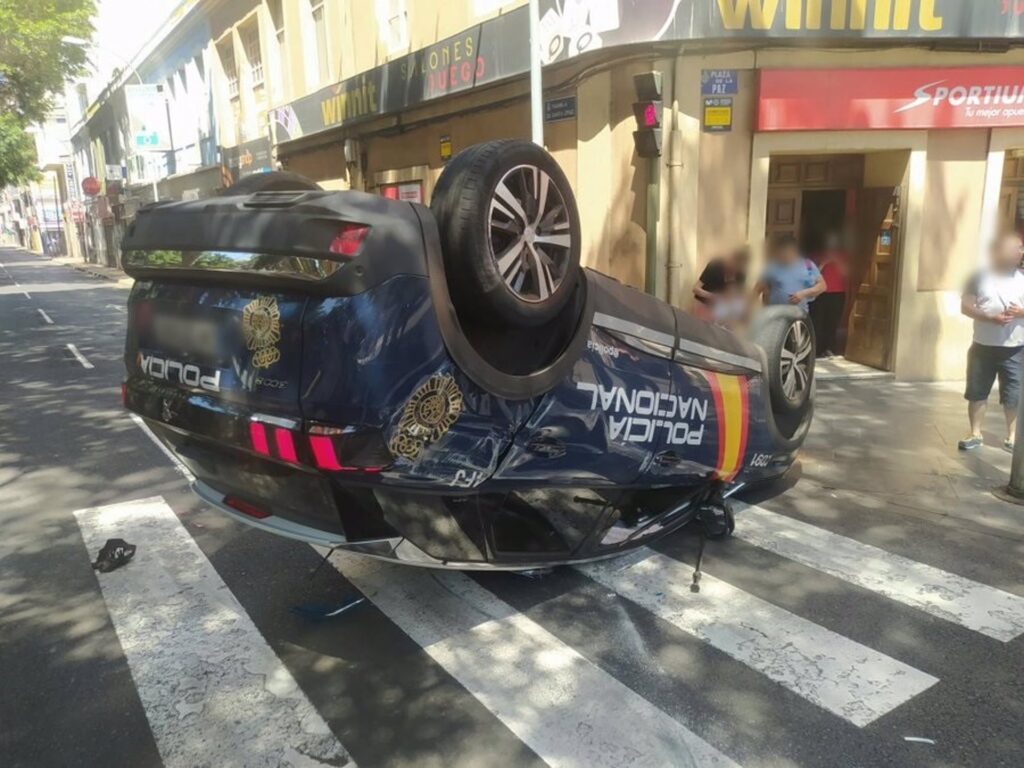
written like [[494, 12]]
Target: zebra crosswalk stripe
[[214, 692], [566, 709], [978, 607], [842, 676]]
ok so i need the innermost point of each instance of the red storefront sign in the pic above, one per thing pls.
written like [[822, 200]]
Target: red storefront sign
[[852, 99]]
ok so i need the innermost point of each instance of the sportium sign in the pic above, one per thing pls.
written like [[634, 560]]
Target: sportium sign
[[854, 99]]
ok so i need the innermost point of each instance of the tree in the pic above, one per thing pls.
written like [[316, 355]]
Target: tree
[[34, 62], [17, 152]]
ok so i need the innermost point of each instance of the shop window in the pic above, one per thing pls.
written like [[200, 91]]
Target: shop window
[[226, 50], [1011, 202], [393, 23], [277, 20], [319, 19], [250, 35]]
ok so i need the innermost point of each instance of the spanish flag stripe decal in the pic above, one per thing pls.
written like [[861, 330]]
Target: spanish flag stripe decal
[[731, 394]]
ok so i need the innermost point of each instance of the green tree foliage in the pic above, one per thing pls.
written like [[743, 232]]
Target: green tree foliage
[[34, 63], [17, 152]]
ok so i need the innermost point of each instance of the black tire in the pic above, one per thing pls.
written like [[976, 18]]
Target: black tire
[[786, 335], [276, 181], [507, 260]]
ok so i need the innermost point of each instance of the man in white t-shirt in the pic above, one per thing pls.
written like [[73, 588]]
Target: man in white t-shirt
[[994, 299]]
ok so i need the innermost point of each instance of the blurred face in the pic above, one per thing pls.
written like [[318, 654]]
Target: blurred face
[[787, 254], [741, 259], [1008, 252]]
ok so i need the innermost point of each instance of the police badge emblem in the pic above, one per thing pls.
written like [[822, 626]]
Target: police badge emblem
[[261, 326], [431, 411]]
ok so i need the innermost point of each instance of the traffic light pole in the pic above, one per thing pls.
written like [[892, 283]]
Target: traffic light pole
[[536, 76]]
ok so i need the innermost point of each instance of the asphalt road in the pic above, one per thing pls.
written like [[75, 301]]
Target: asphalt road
[[836, 629]]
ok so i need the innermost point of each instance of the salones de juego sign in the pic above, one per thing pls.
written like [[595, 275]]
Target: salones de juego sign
[[499, 48]]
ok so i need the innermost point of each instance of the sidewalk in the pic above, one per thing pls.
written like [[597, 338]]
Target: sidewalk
[[893, 446], [96, 270]]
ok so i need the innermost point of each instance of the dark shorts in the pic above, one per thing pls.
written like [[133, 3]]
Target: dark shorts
[[984, 364]]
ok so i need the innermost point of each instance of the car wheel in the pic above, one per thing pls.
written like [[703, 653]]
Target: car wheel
[[276, 181], [787, 337], [510, 233]]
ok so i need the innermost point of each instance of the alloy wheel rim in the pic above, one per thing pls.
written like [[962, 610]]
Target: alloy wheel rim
[[531, 240], [796, 360]]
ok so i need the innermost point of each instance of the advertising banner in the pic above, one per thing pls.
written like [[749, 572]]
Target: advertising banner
[[499, 48], [248, 158], [147, 118], [917, 98]]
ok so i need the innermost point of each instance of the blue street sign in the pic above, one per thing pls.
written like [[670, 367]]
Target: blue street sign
[[719, 82]]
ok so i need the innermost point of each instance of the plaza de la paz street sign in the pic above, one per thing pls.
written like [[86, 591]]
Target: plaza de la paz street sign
[[908, 98]]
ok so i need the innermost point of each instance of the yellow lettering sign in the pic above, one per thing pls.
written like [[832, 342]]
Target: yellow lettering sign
[[844, 15]]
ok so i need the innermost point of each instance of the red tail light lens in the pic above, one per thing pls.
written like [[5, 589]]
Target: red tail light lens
[[124, 394], [258, 434], [349, 240], [285, 445], [324, 454], [247, 509]]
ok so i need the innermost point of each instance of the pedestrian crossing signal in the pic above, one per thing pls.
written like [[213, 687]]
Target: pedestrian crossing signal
[[647, 110]]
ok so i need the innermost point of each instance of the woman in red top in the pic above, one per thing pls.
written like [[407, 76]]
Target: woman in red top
[[827, 311]]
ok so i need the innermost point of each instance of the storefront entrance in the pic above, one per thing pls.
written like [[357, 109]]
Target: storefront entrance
[[852, 200], [1011, 199]]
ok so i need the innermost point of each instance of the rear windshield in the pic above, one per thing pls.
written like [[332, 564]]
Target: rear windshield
[[233, 261]]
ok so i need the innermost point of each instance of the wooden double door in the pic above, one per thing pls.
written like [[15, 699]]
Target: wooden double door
[[872, 229]]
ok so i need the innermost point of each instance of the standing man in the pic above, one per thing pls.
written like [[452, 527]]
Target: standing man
[[789, 278], [994, 299]]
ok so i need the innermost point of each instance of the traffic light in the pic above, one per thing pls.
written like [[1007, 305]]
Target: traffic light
[[647, 110]]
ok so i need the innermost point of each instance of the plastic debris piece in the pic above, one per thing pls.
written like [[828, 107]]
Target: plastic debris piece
[[919, 740], [114, 554], [322, 612]]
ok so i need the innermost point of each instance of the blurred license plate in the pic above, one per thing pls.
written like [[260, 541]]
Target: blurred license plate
[[192, 335]]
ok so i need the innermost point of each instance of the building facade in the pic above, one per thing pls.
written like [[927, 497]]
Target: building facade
[[896, 123]]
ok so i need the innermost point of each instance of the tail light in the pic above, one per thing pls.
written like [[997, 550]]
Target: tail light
[[124, 394], [349, 240], [325, 447], [247, 509]]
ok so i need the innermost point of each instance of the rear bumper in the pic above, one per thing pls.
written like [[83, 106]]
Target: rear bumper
[[272, 524]]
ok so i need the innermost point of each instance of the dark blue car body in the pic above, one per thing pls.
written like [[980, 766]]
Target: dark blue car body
[[358, 415]]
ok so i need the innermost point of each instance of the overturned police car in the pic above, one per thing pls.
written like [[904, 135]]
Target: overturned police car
[[445, 386]]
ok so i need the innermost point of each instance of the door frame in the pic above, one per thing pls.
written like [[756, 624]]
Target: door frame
[[843, 143]]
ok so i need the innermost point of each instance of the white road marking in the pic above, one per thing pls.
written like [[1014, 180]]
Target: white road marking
[[978, 607], [569, 711], [26, 294], [178, 464], [213, 690], [79, 356], [845, 678], [46, 317]]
